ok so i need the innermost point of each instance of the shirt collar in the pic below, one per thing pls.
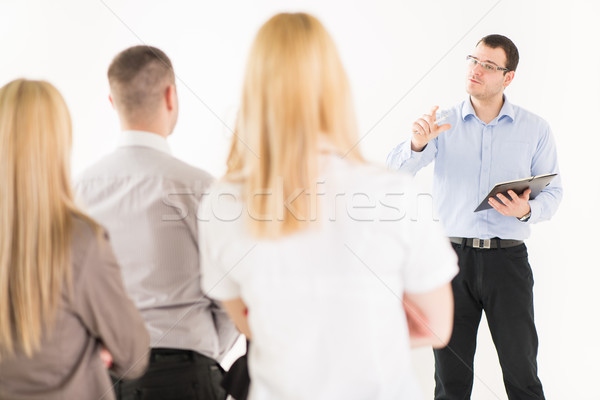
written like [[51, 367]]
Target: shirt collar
[[507, 110], [145, 139]]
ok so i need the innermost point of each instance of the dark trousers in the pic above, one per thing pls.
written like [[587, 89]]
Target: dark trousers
[[237, 380], [177, 375], [499, 282]]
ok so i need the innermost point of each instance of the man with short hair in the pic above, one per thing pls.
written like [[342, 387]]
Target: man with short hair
[[487, 140], [147, 199]]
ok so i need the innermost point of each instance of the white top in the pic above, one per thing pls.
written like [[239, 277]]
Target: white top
[[147, 200], [325, 305]]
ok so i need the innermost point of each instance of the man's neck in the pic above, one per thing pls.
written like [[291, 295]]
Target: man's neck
[[160, 132], [488, 109]]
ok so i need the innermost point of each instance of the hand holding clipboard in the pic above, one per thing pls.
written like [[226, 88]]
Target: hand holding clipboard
[[535, 183]]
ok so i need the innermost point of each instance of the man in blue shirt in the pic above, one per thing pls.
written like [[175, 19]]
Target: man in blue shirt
[[487, 140]]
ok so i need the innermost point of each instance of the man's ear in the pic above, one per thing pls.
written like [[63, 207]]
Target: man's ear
[[171, 97], [112, 103], [510, 75]]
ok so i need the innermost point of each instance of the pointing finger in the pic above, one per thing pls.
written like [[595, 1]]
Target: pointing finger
[[434, 109]]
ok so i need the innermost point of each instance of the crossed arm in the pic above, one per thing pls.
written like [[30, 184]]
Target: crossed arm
[[429, 316]]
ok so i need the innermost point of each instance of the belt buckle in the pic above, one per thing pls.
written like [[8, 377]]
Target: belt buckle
[[482, 244]]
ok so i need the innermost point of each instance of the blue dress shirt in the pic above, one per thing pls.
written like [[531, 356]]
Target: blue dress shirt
[[472, 156]]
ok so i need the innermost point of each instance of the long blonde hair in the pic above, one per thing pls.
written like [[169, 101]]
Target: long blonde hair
[[295, 94], [36, 208]]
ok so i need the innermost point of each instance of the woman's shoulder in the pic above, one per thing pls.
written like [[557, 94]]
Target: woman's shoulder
[[85, 229], [87, 236]]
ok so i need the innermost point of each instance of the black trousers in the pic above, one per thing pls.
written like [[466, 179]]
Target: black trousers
[[177, 375], [499, 282], [237, 380]]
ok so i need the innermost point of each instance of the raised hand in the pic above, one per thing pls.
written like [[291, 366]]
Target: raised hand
[[426, 129]]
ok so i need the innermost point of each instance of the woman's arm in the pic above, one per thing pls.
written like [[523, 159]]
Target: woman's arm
[[102, 304], [430, 316], [238, 312]]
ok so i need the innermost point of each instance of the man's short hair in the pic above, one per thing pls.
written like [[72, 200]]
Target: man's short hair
[[138, 77], [510, 50]]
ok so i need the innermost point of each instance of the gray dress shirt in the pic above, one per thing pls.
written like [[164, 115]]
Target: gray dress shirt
[[148, 201], [99, 313]]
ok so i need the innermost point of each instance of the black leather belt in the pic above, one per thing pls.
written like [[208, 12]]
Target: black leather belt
[[158, 355], [486, 243]]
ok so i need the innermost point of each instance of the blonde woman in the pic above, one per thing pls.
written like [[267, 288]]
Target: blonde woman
[[61, 295], [310, 248]]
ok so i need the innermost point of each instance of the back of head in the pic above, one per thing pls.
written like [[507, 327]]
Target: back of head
[[295, 95], [138, 77], [36, 208], [510, 50]]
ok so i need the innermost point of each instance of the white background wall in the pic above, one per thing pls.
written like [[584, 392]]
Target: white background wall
[[402, 57]]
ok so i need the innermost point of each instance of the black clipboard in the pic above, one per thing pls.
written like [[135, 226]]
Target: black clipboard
[[535, 183]]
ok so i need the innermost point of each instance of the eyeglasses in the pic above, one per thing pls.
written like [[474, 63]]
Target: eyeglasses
[[472, 61]]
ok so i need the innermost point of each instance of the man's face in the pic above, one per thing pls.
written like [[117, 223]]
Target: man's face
[[483, 84]]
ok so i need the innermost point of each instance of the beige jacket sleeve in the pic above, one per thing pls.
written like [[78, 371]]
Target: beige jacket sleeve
[[109, 314]]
